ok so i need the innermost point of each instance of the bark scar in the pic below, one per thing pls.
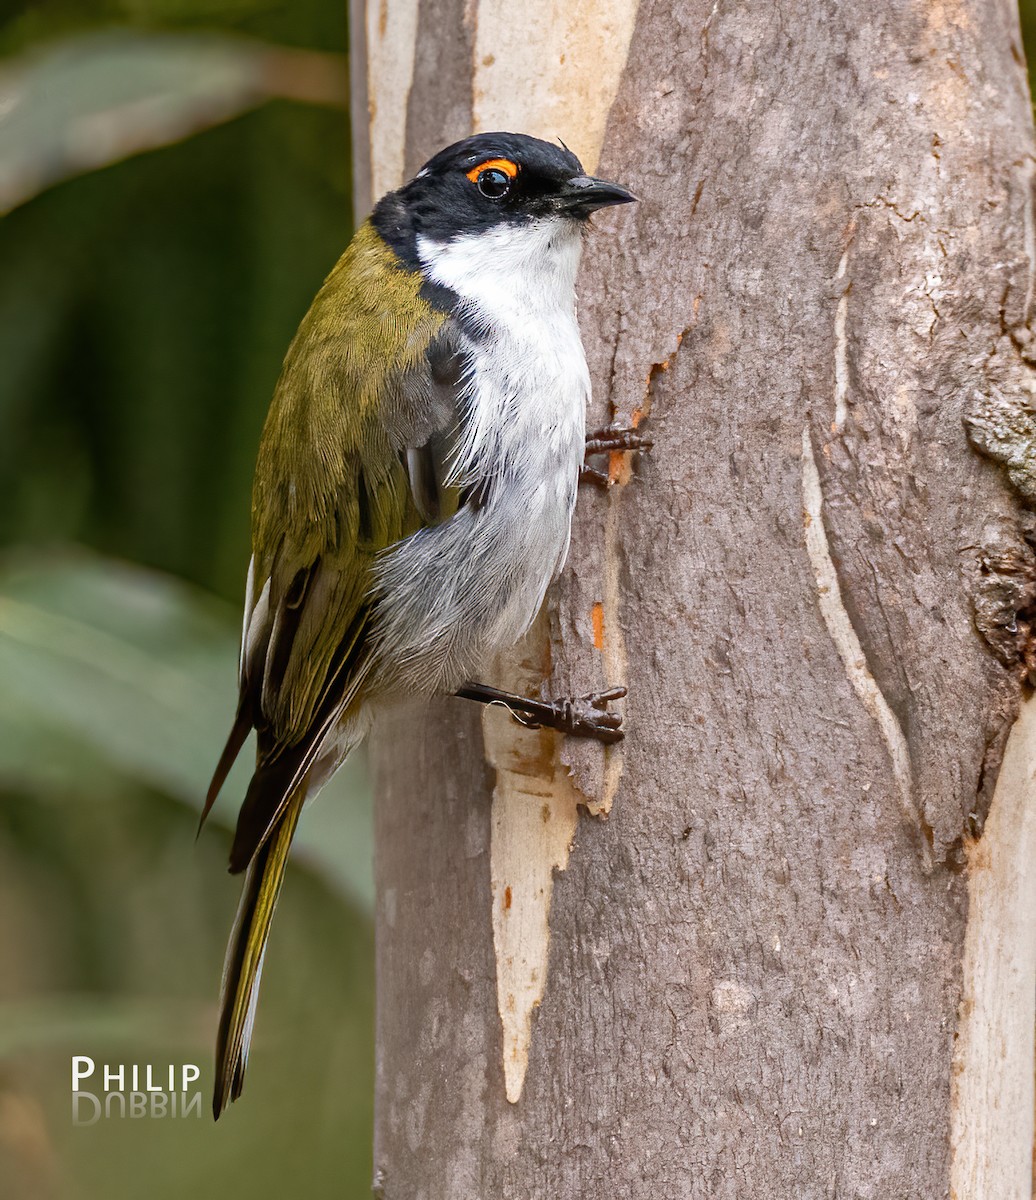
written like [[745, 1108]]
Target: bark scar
[[842, 288], [847, 643], [841, 346], [1030, 236]]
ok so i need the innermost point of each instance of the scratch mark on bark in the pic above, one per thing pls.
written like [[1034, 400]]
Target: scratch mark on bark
[[704, 43], [847, 643], [992, 1093], [1030, 237], [841, 347]]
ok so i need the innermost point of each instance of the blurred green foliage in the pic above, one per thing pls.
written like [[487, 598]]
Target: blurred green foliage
[[146, 310], [145, 307]]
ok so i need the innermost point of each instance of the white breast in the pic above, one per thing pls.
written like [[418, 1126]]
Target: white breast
[[527, 394], [483, 574]]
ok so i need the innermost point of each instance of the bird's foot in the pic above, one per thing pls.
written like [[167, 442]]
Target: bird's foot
[[611, 439], [577, 716], [585, 716]]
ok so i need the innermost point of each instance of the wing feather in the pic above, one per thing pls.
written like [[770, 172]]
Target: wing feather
[[353, 459]]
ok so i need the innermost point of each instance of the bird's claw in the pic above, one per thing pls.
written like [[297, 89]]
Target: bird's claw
[[617, 437], [588, 474], [611, 439], [585, 716]]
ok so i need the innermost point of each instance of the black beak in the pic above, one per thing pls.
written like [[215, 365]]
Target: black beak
[[584, 195]]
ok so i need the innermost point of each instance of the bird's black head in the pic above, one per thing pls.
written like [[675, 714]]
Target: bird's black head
[[488, 181]]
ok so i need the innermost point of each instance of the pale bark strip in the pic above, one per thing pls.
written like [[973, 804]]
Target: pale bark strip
[[552, 73], [993, 1094], [841, 343], [359, 110], [391, 42], [534, 820]]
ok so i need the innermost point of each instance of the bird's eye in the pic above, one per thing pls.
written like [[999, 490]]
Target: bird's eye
[[493, 184], [493, 178]]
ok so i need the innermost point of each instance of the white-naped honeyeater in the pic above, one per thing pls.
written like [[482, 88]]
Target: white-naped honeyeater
[[413, 493]]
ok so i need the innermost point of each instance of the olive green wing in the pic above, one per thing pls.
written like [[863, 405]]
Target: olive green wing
[[352, 459]]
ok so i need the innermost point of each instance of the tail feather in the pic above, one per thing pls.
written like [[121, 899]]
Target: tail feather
[[241, 729], [246, 950]]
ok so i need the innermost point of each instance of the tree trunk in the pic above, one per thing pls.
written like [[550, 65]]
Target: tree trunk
[[781, 942]]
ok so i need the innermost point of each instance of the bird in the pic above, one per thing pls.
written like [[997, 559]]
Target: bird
[[413, 494]]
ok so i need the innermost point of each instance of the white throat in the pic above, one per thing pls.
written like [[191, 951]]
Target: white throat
[[509, 273]]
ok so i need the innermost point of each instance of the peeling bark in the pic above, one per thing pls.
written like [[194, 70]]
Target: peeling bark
[[992, 1084], [769, 970]]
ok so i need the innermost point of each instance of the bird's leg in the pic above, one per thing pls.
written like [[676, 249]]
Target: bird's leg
[[578, 716], [616, 437], [609, 440]]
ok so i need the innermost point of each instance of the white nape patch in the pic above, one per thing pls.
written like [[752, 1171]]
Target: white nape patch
[[454, 593]]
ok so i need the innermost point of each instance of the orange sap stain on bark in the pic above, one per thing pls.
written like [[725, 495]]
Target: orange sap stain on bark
[[597, 618]]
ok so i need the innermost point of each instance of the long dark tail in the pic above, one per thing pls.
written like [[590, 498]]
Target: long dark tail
[[244, 962]]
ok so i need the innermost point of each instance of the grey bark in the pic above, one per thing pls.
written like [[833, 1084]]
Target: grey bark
[[755, 962]]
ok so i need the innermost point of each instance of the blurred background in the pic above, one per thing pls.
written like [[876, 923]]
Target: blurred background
[[174, 185]]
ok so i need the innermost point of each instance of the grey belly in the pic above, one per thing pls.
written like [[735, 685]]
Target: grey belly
[[450, 595]]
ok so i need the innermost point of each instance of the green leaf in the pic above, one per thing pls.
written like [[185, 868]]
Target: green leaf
[[96, 99], [105, 667]]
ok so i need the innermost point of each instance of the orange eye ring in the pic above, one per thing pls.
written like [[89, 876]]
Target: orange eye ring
[[509, 168]]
